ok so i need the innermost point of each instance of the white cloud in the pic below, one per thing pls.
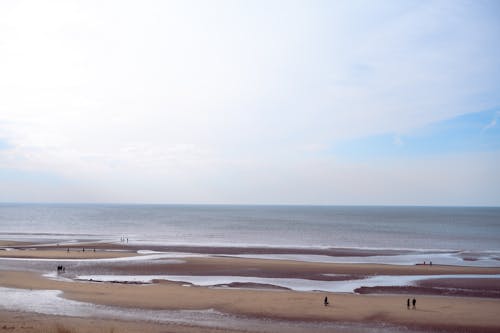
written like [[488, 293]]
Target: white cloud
[[169, 95]]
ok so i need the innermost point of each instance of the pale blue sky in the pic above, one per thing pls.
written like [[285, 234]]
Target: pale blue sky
[[468, 133], [272, 102]]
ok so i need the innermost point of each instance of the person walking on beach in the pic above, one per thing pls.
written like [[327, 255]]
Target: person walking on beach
[[326, 301], [408, 303], [414, 303]]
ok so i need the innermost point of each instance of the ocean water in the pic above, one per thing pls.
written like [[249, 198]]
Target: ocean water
[[419, 228]]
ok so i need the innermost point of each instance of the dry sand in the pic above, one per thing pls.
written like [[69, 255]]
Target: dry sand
[[23, 322]]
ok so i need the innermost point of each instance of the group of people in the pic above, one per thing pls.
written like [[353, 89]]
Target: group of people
[[409, 302], [61, 269], [124, 239], [413, 302]]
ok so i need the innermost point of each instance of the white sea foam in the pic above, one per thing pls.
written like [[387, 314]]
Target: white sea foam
[[57, 276]]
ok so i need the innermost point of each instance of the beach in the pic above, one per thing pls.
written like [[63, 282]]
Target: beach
[[118, 276], [23, 322]]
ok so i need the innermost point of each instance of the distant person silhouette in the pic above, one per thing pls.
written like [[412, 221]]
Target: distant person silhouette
[[326, 301], [408, 303], [414, 303]]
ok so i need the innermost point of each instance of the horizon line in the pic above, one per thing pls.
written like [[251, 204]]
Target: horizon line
[[241, 204]]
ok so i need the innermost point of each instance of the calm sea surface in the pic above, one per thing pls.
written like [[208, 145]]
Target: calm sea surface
[[457, 228]]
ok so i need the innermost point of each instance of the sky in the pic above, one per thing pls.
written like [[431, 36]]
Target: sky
[[250, 102]]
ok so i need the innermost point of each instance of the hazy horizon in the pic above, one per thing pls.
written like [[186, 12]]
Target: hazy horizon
[[41, 203], [392, 103]]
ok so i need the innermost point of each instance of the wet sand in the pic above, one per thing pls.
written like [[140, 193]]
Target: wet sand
[[25, 322], [332, 252], [80, 250], [213, 266], [64, 254], [465, 287], [472, 314], [235, 250], [9, 243]]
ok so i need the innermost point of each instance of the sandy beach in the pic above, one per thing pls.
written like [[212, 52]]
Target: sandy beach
[[472, 314], [370, 306], [25, 322]]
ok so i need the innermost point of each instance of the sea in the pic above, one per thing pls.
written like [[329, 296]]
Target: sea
[[446, 235], [359, 227]]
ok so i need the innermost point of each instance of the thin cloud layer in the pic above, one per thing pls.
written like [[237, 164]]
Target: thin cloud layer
[[242, 102]]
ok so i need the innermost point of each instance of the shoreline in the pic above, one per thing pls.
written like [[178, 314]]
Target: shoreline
[[319, 255], [231, 249], [218, 249]]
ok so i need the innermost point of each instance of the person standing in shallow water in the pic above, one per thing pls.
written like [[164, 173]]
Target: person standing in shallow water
[[408, 303], [326, 301], [414, 303]]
